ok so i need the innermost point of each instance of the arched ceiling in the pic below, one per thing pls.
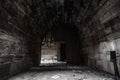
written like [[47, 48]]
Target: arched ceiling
[[55, 13], [47, 14]]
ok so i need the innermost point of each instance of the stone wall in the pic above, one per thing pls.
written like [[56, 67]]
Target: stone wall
[[13, 53], [100, 34], [15, 21]]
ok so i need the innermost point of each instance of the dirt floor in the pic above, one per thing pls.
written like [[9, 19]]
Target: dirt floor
[[68, 73]]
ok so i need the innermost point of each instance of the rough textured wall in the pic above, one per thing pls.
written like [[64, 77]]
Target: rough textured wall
[[98, 22], [12, 46], [17, 18], [14, 56], [100, 34], [13, 53], [15, 28]]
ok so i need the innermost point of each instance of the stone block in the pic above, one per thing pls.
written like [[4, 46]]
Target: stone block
[[4, 71], [110, 67]]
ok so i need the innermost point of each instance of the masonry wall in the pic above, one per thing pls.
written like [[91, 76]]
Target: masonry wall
[[103, 32], [14, 56], [14, 37]]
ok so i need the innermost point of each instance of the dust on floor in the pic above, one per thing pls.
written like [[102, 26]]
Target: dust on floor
[[63, 75]]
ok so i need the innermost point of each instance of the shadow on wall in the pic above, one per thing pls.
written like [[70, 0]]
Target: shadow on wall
[[13, 58]]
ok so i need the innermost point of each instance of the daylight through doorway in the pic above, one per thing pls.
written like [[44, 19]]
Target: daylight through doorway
[[49, 53]]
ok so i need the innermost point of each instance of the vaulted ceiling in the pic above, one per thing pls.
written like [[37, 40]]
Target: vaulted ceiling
[[55, 13], [44, 15], [52, 13]]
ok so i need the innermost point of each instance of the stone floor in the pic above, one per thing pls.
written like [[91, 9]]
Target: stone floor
[[68, 73]]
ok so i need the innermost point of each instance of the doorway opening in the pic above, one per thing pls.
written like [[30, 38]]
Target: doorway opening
[[49, 53], [52, 52]]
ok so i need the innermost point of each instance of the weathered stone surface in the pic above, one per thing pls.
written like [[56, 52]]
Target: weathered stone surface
[[98, 30], [86, 26]]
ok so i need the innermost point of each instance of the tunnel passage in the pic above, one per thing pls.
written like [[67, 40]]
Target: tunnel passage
[[85, 30], [67, 43]]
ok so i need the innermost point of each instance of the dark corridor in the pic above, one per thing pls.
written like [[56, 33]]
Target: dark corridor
[[85, 32]]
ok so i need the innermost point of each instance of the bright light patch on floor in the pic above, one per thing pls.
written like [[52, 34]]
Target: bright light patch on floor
[[55, 77]]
